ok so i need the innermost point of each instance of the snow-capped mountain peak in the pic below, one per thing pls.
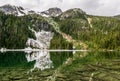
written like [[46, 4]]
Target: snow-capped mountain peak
[[11, 9], [15, 10]]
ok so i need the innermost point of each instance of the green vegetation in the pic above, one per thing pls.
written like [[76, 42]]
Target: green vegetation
[[107, 33], [94, 57], [14, 31], [74, 27], [58, 42], [96, 66], [96, 31]]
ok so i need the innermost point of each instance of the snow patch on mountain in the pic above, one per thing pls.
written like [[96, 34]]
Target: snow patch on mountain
[[42, 41]]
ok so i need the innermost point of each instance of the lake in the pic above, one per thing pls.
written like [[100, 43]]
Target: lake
[[60, 66]]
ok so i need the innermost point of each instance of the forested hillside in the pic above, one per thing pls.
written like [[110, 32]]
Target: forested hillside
[[97, 32], [15, 31], [32, 30]]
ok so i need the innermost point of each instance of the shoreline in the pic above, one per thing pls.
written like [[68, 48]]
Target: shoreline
[[52, 50]]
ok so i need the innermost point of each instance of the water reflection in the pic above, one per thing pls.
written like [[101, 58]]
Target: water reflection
[[46, 59], [37, 59], [92, 66], [14, 59], [81, 66], [42, 59], [59, 58]]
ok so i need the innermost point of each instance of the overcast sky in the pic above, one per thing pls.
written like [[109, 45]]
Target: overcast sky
[[95, 7]]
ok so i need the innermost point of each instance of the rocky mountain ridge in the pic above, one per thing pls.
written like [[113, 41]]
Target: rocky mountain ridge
[[20, 11], [51, 12], [11, 9]]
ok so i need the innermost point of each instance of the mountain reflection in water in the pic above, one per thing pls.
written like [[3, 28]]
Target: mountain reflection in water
[[57, 66], [36, 59], [42, 59]]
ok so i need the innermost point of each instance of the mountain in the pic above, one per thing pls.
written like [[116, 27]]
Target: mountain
[[9, 9], [117, 16], [53, 29], [20, 11], [72, 13], [16, 10], [28, 30], [52, 12], [89, 31]]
